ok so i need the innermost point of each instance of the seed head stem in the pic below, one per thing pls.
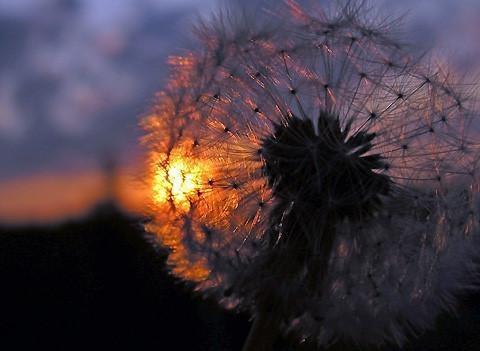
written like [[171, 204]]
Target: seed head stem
[[263, 333]]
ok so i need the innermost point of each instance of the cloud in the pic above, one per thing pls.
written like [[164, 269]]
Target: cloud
[[75, 75], [79, 76], [11, 127]]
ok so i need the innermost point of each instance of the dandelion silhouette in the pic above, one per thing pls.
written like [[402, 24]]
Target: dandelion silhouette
[[308, 169]]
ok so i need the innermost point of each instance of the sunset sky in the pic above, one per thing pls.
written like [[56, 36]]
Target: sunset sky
[[75, 80]]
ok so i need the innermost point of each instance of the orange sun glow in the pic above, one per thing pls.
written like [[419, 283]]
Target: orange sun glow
[[176, 182]]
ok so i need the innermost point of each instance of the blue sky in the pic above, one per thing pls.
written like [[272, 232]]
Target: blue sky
[[75, 80]]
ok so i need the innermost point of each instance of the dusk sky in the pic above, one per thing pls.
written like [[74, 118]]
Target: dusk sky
[[76, 76]]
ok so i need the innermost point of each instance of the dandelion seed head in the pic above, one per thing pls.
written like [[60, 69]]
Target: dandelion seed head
[[310, 165], [325, 168]]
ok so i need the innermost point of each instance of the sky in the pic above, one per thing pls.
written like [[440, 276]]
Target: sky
[[76, 79]]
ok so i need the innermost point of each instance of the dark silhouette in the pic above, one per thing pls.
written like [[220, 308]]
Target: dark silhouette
[[98, 283]]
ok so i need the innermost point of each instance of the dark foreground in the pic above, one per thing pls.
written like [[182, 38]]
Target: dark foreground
[[97, 283]]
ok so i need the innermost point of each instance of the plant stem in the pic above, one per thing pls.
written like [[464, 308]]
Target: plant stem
[[263, 333]]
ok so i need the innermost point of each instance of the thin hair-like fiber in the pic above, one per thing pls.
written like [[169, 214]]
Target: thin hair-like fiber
[[307, 166]]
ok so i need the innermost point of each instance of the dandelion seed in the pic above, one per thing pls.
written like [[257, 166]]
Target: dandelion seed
[[310, 171]]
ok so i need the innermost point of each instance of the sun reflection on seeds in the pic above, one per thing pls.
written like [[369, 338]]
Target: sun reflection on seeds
[[176, 182]]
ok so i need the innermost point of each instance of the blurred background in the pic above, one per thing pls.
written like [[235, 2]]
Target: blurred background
[[75, 78]]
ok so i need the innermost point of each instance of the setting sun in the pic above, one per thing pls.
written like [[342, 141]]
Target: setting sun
[[176, 182]]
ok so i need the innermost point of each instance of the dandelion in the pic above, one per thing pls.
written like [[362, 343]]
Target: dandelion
[[308, 169]]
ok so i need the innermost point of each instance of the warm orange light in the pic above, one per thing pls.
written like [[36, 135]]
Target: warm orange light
[[177, 182]]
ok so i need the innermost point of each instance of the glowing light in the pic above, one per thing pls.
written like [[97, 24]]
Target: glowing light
[[176, 182]]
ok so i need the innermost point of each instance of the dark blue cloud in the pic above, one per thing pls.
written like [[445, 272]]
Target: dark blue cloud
[[73, 89]]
